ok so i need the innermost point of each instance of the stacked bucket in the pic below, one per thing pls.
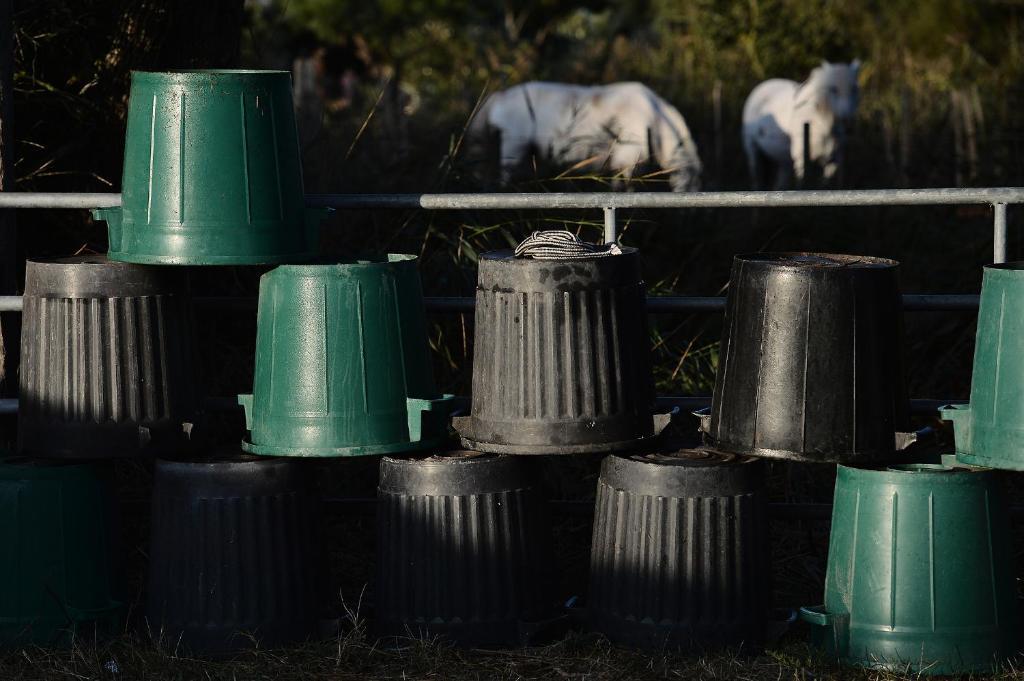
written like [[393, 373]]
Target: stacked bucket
[[562, 366], [920, 570], [212, 176], [105, 373]]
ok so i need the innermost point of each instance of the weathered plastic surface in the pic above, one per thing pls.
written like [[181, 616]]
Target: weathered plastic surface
[[680, 554], [106, 359], [212, 174], [463, 549], [342, 363], [57, 565], [920, 571], [811, 362], [990, 430], [232, 561], [561, 362]]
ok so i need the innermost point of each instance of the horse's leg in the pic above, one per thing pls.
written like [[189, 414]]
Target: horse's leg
[[754, 165], [784, 176], [512, 155], [794, 171]]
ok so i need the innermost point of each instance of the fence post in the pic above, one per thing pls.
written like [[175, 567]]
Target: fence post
[[610, 228], [999, 232], [802, 180]]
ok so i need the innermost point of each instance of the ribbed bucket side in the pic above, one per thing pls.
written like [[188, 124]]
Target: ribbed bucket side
[[104, 376], [679, 571], [58, 567], [212, 173], [469, 567], [811, 364], [340, 350], [996, 434], [230, 566], [921, 564], [561, 366]]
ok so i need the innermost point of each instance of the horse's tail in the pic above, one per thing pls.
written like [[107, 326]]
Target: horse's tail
[[480, 141], [478, 125], [675, 149]]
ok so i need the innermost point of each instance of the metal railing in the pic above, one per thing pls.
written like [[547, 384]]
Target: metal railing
[[609, 202]]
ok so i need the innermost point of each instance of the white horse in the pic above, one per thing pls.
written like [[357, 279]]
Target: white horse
[[607, 128], [776, 111]]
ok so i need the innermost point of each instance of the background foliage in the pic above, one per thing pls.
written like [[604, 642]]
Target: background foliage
[[389, 87]]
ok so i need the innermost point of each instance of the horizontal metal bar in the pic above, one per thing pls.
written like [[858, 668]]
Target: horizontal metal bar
[[588, 200], [602, 200], [691, 403], [585, 507], [787, 510], [58, 200], [655, 304], [946, 301], [685, 404]]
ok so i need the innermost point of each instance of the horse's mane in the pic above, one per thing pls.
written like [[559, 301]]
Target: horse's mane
[[815, 78]]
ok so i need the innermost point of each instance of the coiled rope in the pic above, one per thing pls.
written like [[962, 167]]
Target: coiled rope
[[558, 244]]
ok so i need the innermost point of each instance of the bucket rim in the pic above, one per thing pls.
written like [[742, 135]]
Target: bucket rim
[[141, 73], [803, 260], [1008, 267], [317, 269]]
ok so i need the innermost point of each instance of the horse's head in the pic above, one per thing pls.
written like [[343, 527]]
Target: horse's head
[[838, 85], [686, 170]]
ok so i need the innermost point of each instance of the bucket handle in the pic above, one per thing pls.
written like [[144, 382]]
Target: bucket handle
[[112, 216], [705, 420], [905, 439], [837, 625], [245, 402], [960, 416], [816, 615], [662, 420], [418, 406]]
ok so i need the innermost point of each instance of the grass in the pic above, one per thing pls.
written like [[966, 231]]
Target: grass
[[586, 657]]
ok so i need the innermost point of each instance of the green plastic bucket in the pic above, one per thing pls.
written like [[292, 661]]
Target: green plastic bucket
[[57, 576], [342, 363], [990, 430], [212, 174], [920, 571]]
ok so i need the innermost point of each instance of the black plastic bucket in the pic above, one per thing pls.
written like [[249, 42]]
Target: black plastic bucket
[[463, 550], [232, 558], [106, 359], [561, 361], [680, 553], [811, 362]]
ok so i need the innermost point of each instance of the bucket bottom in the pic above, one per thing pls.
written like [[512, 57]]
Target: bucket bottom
[[989, 461], [339, 452], [651, 635], [938, 653], [220, 641], [471, 634], [58, 631]]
